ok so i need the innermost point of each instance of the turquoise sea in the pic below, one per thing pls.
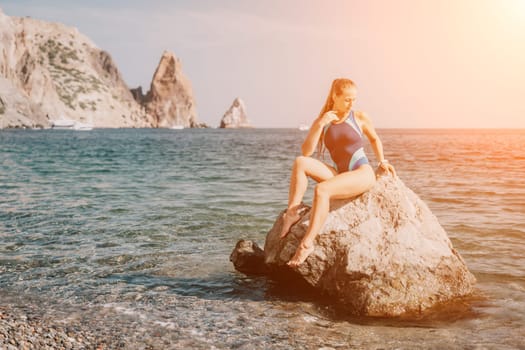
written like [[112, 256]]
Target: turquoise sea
[[130, 230]]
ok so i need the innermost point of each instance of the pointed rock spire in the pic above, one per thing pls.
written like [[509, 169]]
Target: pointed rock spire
[[170, 98]]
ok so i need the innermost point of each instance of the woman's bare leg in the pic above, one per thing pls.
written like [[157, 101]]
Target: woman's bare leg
[[344, 185], [302, 168]]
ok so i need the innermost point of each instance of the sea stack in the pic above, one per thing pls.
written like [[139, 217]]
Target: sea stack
[[235, 116], [170, 98], [381, 254]]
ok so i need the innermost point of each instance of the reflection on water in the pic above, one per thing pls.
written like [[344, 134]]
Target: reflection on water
[[131, 230]]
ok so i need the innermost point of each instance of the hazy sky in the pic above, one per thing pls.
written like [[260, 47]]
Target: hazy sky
[[417, 63]]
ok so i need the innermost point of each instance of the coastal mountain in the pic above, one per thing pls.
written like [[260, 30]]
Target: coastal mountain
[[51, 72], [170, 98], [235, 116]]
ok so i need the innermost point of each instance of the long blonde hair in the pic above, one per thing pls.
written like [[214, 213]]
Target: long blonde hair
[[338, 85]]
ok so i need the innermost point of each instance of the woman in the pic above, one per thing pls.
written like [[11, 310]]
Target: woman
[[341, 129]]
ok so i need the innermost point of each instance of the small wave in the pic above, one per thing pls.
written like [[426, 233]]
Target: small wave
[[483, 231], [447, 200], [116, 260], [494, 277]]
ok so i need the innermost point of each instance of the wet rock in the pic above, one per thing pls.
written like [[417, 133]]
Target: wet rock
[[17, 331], [248, 257], [380, 254]]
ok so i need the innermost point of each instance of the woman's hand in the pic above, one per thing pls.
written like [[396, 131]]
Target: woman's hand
[[386, 167], [328, 117]]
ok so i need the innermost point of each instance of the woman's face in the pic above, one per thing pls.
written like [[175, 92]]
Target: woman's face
[[344, 101]]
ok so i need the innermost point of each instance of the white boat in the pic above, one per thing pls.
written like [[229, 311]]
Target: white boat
[[304, 127], [63, 124], [177, 127], [68, 124], [82, 126]]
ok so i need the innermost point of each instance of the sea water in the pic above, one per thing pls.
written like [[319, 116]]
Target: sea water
[[130, 231]]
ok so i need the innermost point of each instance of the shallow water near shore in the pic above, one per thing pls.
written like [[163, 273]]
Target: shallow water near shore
[[130, 231]]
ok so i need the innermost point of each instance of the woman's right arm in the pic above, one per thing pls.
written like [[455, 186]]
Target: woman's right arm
[[308, 147], [309, 144]]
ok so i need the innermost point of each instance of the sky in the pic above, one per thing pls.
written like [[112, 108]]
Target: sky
[[417, 63]]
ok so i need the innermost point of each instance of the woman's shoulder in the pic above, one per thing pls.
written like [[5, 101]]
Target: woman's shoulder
[[361, 116]]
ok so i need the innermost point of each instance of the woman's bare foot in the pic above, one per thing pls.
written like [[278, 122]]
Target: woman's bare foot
[[290, 217], [301, 254]]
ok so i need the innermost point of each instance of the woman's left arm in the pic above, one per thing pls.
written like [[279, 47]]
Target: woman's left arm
[[377, 145]]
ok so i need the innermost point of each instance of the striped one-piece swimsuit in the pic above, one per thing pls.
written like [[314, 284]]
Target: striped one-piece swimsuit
[[345, 144]]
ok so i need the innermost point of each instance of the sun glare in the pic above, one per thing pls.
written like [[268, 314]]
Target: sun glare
[[514, 8]]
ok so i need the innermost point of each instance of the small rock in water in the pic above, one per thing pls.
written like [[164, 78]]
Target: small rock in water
[[248, 257], [235, 116]]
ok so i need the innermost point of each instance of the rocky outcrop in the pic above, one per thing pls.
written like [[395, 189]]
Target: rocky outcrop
[[62, 74], [248, 258], [170, 98], [17, 110], [138, 95], [381, 254], [235, 116]]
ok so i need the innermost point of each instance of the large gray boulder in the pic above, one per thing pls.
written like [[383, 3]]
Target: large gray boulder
[[380, 254]]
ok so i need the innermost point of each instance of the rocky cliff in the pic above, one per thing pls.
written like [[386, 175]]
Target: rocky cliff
[[60, 73], [235, 116], [381, 254], [50, 72]]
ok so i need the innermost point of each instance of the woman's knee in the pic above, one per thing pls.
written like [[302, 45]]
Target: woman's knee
[[321, 191], [301, 162]]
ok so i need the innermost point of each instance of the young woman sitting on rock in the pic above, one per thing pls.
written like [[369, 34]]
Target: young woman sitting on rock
[[341, 130]]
